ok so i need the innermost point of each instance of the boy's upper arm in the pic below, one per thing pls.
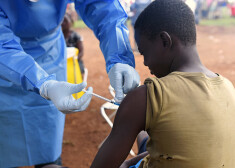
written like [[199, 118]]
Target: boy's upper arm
[[132, 111], [129, 121]]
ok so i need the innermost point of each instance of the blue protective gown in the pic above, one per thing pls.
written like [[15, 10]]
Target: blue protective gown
[[32, 50]]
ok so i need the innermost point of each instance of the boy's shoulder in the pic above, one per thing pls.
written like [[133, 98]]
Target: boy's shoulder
[[168, 78], [180, 80], [176, 75]]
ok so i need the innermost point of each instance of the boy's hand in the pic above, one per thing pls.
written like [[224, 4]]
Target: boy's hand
[[133, 161], [125, 165], [123, 78]]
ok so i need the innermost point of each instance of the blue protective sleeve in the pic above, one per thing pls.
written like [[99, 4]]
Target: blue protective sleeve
[[137, 164], [15, 65], [106, 18]]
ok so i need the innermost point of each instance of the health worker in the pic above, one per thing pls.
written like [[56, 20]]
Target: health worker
[[33, 87]]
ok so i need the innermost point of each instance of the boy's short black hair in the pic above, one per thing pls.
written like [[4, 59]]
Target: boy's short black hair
[[172, 16]]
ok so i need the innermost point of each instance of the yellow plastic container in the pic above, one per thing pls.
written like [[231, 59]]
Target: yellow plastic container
[[74, 74]]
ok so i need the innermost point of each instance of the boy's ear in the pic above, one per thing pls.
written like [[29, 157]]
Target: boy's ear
[[166, 39]]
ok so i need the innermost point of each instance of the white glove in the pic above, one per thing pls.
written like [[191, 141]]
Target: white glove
[[60, 93], [123, 78]]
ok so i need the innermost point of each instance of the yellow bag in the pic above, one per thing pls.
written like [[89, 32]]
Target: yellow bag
[[74, 74]]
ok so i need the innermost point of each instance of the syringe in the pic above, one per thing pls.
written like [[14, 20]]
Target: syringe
[[103, 98]]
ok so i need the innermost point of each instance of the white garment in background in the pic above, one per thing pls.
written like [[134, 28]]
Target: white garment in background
[[192, 5]]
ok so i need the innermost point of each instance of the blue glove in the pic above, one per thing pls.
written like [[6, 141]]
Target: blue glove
[[123, 78], [60, 93]]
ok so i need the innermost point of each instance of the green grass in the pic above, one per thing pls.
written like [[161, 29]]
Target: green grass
[[79, 24], [227, 21]]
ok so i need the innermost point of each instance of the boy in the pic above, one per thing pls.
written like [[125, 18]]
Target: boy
[[187, 110]]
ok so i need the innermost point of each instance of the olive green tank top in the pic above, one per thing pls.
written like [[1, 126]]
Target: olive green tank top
[[190, 119]]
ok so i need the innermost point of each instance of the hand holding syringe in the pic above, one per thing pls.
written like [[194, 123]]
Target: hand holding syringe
[[103, 98]]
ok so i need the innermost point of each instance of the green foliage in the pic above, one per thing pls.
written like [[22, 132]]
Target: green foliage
[[227, 21], [79, 24]]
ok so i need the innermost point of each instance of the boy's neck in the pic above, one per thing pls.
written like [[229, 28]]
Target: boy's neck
[[187, 59]]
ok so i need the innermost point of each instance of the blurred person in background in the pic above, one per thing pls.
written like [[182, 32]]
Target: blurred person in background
[[198, 11], [73, 39], [126, 6], [33, 85], [71, 11], [136, 8], [195, 6]]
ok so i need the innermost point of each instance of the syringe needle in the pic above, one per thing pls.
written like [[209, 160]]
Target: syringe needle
[[103, 98]]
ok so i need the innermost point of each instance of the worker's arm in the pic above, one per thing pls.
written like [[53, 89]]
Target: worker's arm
[[129, 121], [21, 69], [16, 65], [106, 18]]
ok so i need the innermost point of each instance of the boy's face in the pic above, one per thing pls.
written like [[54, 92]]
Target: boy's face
[[155, 54]]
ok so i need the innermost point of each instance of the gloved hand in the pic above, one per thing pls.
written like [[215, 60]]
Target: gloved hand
[[60, 93], [123, 78]]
